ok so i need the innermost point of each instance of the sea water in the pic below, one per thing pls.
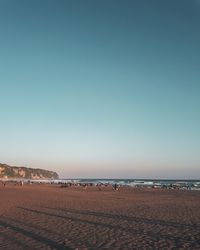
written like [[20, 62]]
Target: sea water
[[156, 183], [149, 183]]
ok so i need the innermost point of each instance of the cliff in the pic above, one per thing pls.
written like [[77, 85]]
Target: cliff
[[7, 171]]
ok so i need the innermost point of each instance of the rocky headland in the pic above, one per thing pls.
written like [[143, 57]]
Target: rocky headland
[[9, 172]]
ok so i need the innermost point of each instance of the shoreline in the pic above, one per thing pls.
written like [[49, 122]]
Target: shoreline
[[134, 183]]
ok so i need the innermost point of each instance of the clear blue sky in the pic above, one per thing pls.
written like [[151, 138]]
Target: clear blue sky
[[102, 88]]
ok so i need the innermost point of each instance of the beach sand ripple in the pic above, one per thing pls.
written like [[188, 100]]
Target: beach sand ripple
[[48, 217]]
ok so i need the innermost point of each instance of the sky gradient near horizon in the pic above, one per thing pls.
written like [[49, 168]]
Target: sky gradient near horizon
[[101, 88]]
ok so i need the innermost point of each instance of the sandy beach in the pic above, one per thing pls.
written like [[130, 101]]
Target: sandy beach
[[49, 217]]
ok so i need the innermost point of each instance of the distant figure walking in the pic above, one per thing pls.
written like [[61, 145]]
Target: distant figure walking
[[115, 187]]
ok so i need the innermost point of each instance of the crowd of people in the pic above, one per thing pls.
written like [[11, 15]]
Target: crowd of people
[[15, 183], [99, 186]]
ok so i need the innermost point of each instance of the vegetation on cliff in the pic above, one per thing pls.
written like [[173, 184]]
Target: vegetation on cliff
[[7, 171]]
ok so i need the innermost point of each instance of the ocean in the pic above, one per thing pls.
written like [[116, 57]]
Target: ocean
[[156, 183], [148, 183]]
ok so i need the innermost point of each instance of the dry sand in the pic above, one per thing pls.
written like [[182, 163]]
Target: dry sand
[[50, 217]]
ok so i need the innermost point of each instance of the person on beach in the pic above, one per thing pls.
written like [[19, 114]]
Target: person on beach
[[115, 187], [98, 186]]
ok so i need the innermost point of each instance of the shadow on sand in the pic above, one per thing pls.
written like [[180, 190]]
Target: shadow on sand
[[129, 218], [47, 242], [161, 226]]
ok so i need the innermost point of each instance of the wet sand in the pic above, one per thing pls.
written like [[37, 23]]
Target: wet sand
[[50, 217]]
